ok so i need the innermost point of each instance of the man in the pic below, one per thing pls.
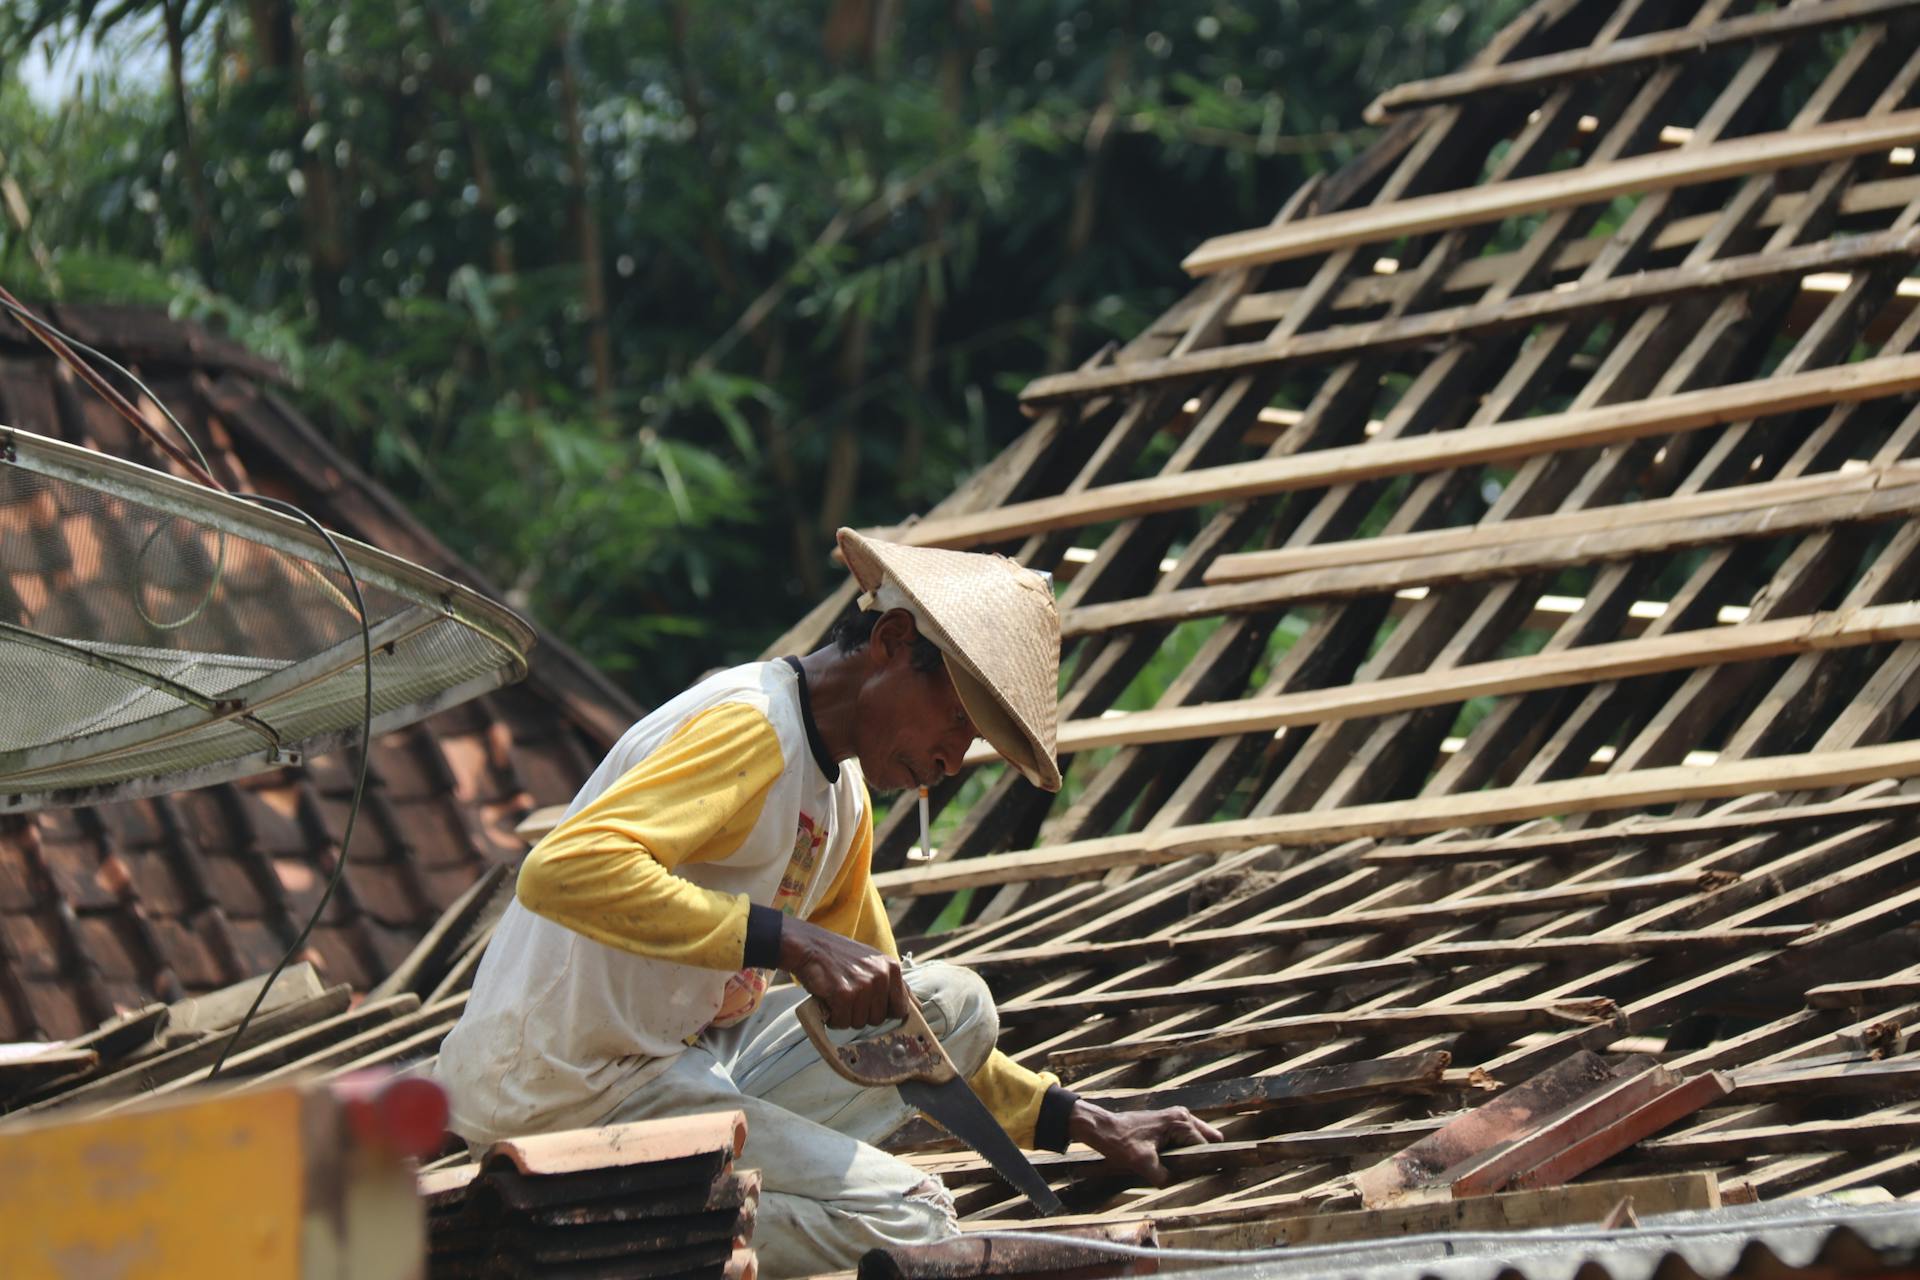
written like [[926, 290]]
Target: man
[[730, 833]]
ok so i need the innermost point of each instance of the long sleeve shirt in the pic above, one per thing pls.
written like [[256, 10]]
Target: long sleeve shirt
[[652, 913]]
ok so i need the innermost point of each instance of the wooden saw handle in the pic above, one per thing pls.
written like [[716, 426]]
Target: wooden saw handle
[[907, 1052]]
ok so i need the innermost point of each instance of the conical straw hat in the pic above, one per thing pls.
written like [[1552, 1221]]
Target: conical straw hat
[[998, 628]]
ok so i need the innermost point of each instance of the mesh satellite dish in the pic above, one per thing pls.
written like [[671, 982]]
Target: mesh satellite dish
[[156, 634]]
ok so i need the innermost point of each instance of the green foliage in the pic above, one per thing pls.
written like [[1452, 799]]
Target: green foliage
[[835, 237]]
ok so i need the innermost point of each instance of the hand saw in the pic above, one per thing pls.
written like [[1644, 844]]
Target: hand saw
[[910, 1058]]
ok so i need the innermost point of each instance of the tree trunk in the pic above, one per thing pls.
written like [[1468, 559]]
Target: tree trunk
[[586, 224], [1066, 312], [277, 41], [201, 210]]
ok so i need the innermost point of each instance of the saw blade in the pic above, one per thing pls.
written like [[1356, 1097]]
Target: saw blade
[[962, 1114]]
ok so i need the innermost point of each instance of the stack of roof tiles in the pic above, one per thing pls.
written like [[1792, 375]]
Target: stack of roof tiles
[[656, 1199]]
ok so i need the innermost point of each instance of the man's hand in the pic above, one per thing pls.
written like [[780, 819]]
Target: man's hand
[[1134, 1139], [860, 986]]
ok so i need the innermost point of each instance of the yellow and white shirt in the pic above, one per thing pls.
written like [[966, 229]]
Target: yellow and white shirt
[[648, 914]]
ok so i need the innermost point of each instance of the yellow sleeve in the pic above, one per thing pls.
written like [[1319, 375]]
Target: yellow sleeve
[[1013, 1094], [606, 871], [852, 909]]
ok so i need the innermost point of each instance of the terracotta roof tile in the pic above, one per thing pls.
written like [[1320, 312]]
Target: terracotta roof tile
[[155, 882], [257, 945], [32, 943], [385, 891], [271, 819], [185, 951], [470, 766], [132, 822], [55, 1010], [435, 836], [20, 883], [403, 771], [111, 950], [77, 874], [335, 953], [235, 884], [444, 886]]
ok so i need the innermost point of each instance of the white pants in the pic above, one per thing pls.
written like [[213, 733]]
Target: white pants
[[827, 1195]]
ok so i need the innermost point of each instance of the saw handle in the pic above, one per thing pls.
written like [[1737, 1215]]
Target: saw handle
[[907, 1052]]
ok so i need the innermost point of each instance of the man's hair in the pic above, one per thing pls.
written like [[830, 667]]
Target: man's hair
[[851, 633]]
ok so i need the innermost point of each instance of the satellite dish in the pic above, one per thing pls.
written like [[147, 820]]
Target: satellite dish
[[156, 634]]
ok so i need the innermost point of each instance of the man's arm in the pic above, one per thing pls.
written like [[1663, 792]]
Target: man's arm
[[1033, 1107], [606, 871]]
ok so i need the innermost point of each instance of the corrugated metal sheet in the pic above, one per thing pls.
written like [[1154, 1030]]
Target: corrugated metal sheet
[[1745, 1241]]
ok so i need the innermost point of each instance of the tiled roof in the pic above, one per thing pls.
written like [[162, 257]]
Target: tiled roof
[[105, 909]]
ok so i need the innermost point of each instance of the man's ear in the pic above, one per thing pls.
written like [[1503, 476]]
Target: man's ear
[[894, 633]]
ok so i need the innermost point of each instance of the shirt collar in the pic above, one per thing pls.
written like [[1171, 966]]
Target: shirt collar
[[828, 765]]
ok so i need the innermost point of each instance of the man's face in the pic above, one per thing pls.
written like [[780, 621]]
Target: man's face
[[912, 730]]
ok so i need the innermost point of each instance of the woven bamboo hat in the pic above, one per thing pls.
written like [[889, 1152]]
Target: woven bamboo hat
[[996, 625]]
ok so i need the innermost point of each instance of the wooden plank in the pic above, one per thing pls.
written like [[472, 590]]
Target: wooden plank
[[965, 1168], [1855, 995], [1636, 789], [1415, 1073], [149, 1073], [1446, 450], [1424, 572], [430, 958], [1369, 292], [199, 1015], [1221, 991], [1896, 1079], [1388, 920], [1517, 1111], [1869, 1133], [1598, 949], [1769, 496], [1588, 1202], [1659, 171], [28, 1071], [1551, 669], [1555, 69], [1315, 1028], [1495, 315], [1637, 832]]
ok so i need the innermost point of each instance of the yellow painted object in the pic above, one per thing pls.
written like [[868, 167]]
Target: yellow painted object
[[265, 1184]]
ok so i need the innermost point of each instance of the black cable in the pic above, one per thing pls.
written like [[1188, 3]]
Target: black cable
[[359, 782], [366, 649]]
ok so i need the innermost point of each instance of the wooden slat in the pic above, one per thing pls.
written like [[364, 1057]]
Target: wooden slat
[[1388, 920], [1641, 788], [1553, 669], [1554, 69], [1309, 1086], [1495, 315], [1656, 516], [1638, 832], [1476, 274], [1467, 446], [1315, 1027], [1755, 153], [1627, 946], [1586, 1202]]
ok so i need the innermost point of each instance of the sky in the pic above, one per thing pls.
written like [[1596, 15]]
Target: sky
[[51, 86]]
